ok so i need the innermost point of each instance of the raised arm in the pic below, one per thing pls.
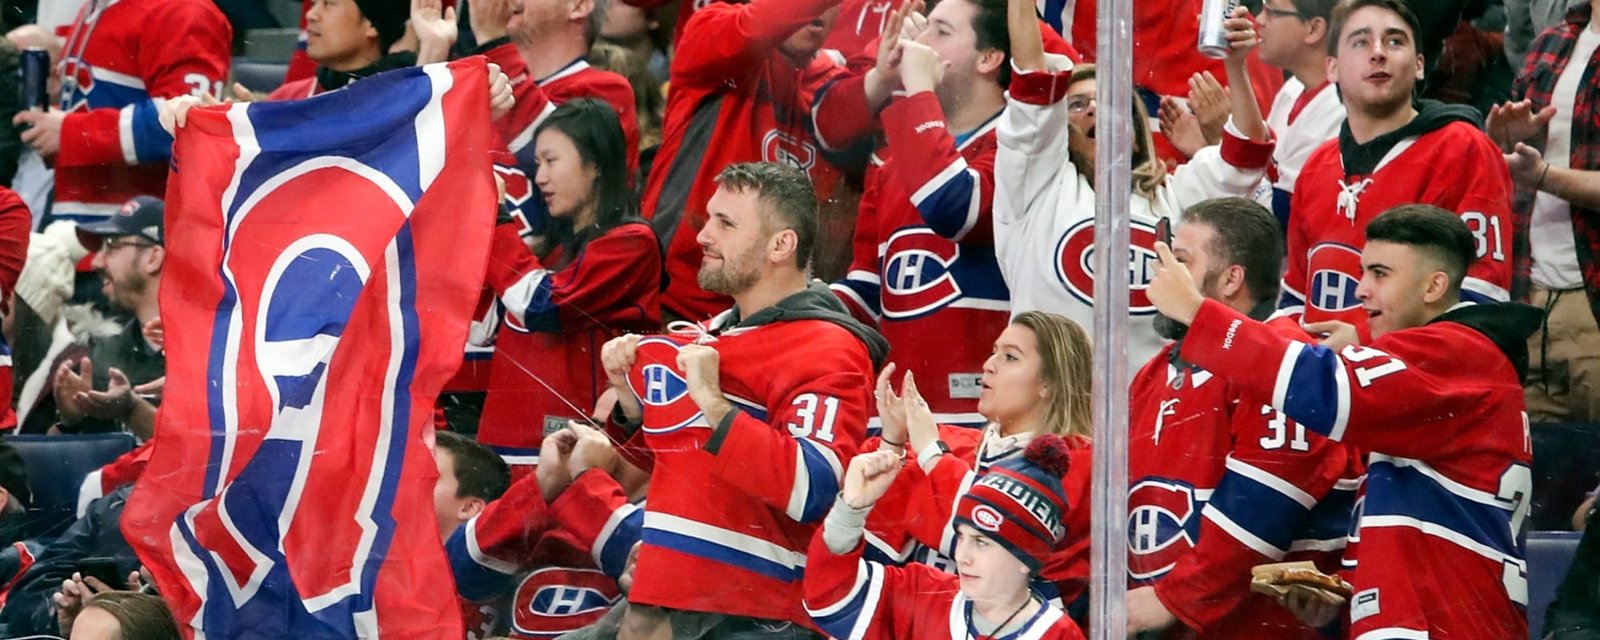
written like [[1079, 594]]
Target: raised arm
[[1241, 34], [1027, 44]]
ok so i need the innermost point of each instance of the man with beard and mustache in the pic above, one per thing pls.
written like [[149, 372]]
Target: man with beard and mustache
[[748, 417], [1249, 484], [129, 257]]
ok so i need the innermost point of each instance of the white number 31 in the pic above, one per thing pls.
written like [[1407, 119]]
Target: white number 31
[[811, 425]]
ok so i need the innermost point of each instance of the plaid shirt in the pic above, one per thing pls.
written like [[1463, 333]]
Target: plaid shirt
[[1548, 57]]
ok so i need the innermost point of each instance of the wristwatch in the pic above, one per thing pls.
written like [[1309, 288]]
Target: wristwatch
[[931, 454]]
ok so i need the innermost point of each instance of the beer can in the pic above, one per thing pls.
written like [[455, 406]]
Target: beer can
[[1213, 35], [35, 69]]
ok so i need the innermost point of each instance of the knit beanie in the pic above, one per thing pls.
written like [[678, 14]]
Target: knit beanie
[[388, 17], [46, 279], [1020, 503]]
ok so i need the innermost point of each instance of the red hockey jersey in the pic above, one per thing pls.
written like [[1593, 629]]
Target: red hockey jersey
[[734, 99], [1219, 483], [543, 570], [546, 363], [1454, 167], [15, 221], [116, 69], [1447, 488], [854, 598], [578, 79], [732, 507], [924, 261]]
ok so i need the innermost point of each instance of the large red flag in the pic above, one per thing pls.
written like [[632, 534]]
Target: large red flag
[[323, 260]]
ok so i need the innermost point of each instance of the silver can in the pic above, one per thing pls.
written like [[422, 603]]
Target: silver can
[[1213, 35]]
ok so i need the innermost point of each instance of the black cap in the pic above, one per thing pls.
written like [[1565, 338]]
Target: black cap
[[388, 17], [143, 216], [14, 474]]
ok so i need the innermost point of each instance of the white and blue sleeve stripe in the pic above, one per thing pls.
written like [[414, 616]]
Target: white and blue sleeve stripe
[[1257, 508], [950, 202], [816, 482], [479, 577], [861, 289], [1313, 388], [529, 306], [1482, 291], [1289, 299], [716, 544], [616, 540], [852, 615], [143, 139]]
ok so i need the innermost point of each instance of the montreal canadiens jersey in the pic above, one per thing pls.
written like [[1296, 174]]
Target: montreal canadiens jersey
[[543, 570], [1302, 120], [924, 262], [733, 99], [1440, 408], [546, 363], [116, 70], [853, 598], [1045, 210], [1455, 167], [1219, 483], [729, 517], [15, 221]]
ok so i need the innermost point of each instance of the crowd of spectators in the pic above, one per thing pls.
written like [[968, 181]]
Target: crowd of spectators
[[784, 328]]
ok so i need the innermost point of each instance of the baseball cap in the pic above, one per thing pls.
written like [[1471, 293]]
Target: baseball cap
[[143, 216]]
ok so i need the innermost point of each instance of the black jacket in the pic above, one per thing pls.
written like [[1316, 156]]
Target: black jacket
[[29, 609]]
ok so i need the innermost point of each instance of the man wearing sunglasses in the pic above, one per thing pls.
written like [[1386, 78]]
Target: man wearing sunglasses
[[98, 390]]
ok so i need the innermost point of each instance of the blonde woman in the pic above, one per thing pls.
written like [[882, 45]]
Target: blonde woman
[[1036, 381], [1044, 204]]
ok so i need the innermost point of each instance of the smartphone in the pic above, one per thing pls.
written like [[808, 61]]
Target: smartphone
[[553, 424], [1164, 231], [105, 570]]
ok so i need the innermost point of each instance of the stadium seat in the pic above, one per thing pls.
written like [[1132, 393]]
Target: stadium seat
[[260, 77], [270, 45], [57, 465], [1549, 556], [1564, 469]]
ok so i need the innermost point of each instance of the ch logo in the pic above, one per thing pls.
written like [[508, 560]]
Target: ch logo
[[661, 384]]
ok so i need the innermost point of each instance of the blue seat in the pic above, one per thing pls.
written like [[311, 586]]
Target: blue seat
[[57, 465], [260, 77], [1564, 469], [1549, 557]]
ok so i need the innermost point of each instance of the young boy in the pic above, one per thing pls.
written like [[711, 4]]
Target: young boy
[[1005, 524]]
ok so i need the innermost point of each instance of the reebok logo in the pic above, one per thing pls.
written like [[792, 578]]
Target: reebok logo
[[929, 125], [1363, 605], [1227, 340]]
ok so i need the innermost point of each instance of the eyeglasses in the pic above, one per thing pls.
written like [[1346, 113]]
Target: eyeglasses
[[1280, 13], [1079, 104], [113, 243]]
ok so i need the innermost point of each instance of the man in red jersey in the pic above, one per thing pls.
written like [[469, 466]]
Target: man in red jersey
[[743, 82], [1220, 482], [1435, 397], [1392, 150], [749, 418]]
